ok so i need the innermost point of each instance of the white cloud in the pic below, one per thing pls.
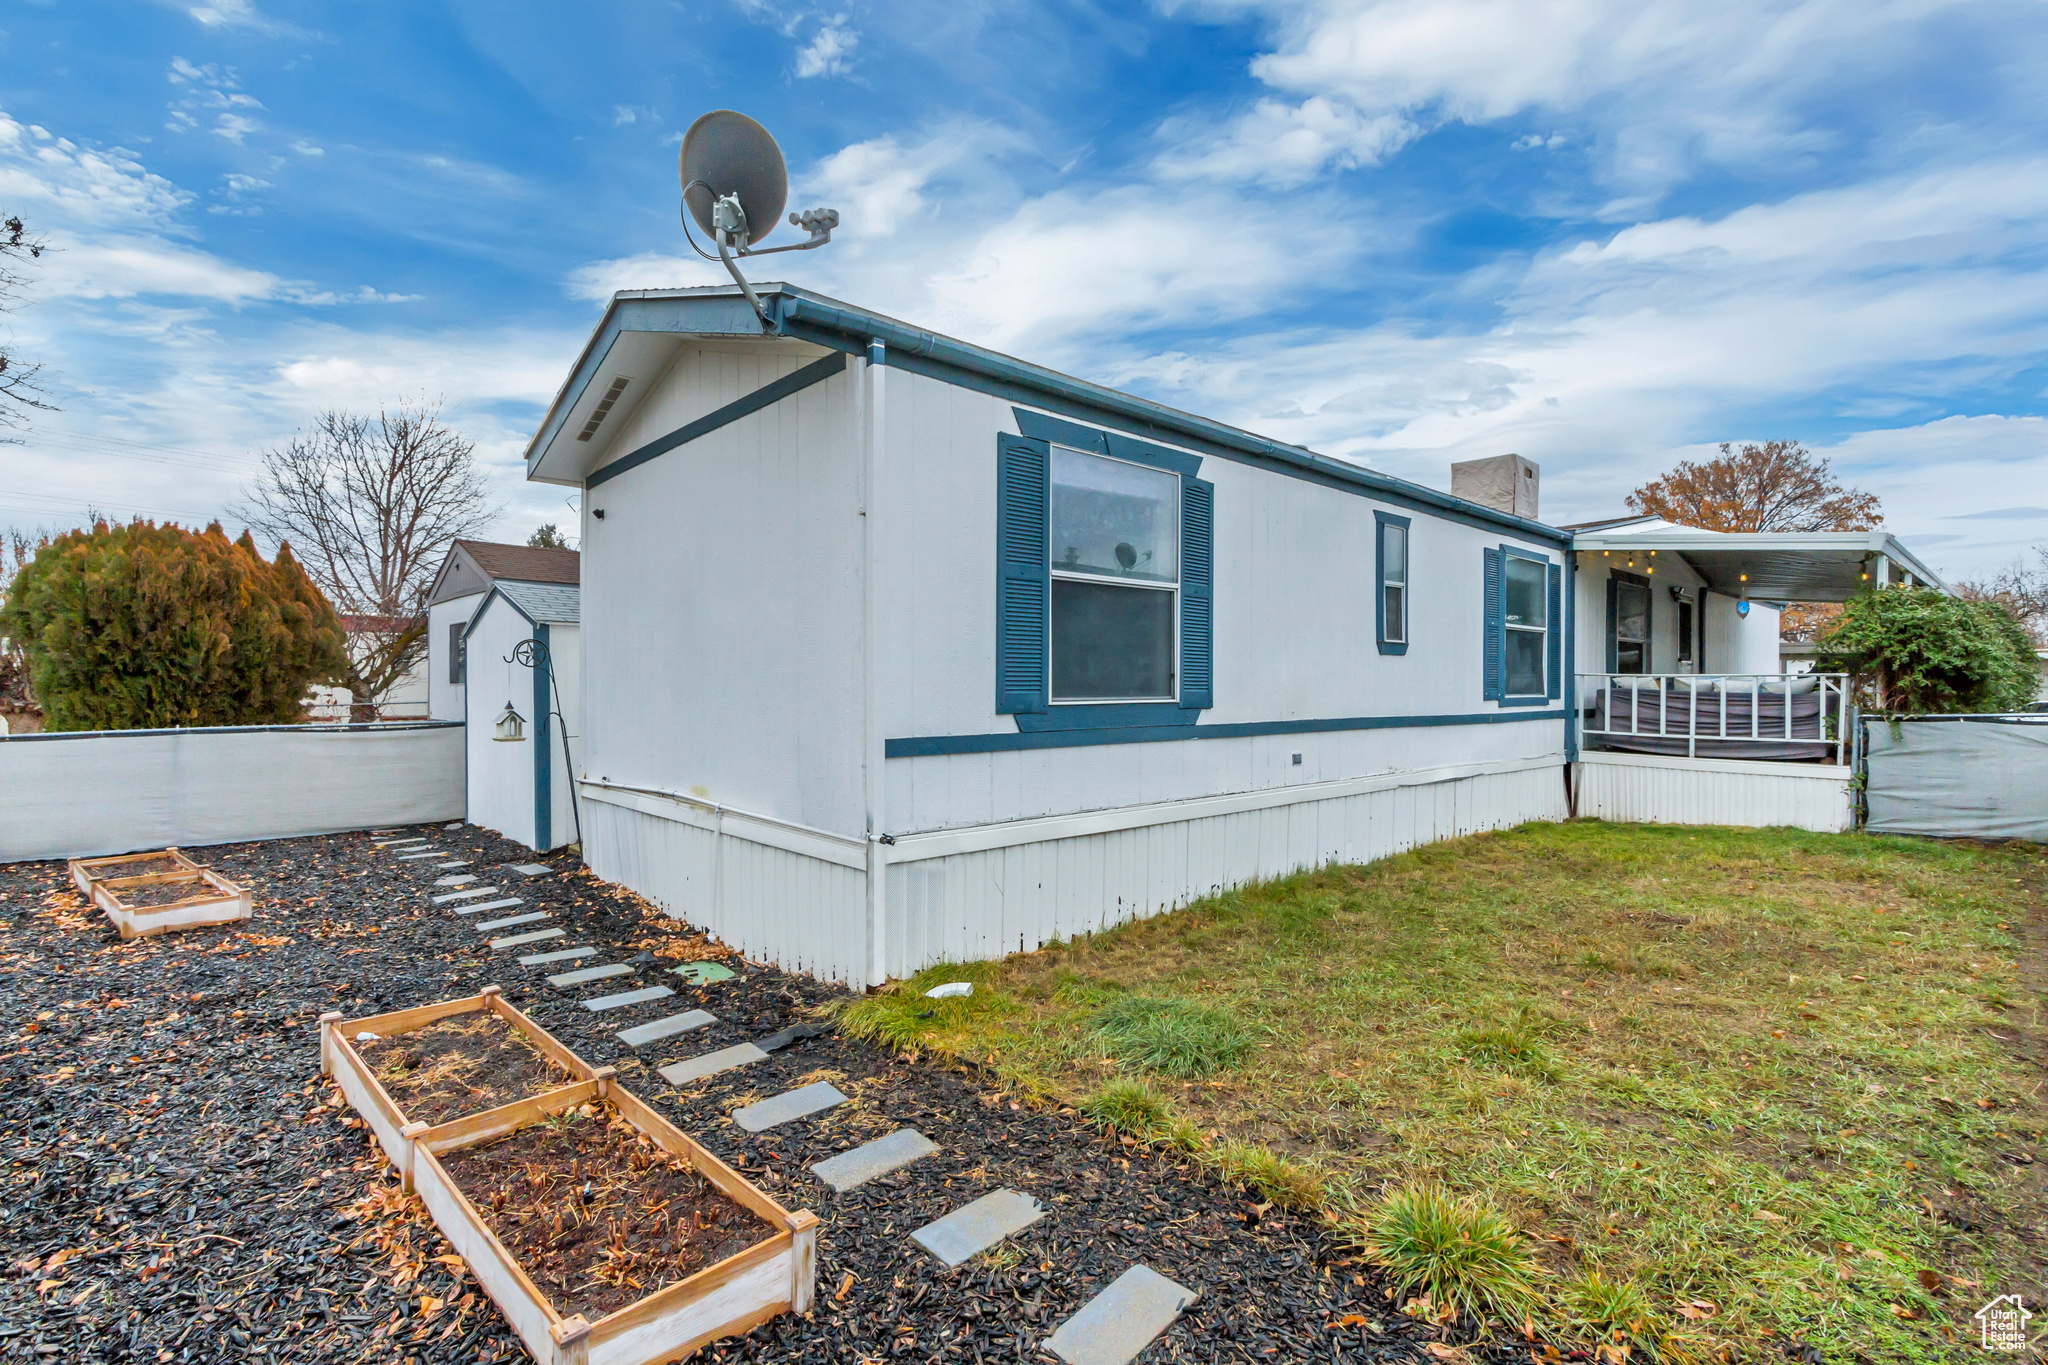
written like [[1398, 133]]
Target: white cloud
[[830, 51], [1283, 144], [307, 149]]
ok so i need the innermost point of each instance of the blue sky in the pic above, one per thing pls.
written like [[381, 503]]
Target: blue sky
[[1604, 233]]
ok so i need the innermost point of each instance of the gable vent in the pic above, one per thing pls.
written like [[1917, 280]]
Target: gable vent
[[604, 405]]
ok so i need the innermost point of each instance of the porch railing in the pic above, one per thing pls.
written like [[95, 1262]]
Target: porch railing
[[1718, 715]]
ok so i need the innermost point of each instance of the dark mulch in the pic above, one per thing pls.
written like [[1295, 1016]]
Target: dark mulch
[[596, 1214], [182, 1185]]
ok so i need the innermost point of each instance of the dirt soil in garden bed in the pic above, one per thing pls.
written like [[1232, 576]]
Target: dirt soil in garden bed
[[463, 1064], [161, 895], [597, 1215], [178, 1183]]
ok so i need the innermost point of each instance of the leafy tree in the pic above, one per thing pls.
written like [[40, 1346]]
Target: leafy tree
[[548, 537], [373, 503], [1918, 651], [145, 627]]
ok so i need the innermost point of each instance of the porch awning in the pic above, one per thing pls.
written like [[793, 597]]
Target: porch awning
[[1773, 566]]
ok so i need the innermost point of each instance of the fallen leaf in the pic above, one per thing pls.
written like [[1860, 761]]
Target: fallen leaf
[[1769, 1217], [1930, 1280], [1351, 1320], [1901, 1311], [844, 1285]]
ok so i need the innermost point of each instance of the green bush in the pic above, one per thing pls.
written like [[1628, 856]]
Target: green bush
[[146, 627], [1173, 1037], [1917, 651]]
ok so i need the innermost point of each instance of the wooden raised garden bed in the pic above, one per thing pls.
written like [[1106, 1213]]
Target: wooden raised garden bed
[[469, 1057], [151, 893], [604, 1234]]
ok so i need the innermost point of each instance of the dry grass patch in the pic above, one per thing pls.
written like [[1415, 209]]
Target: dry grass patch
[[1737, 1088]]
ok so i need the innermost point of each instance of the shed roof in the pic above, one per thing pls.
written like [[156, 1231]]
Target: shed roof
[[473, 565], [544, 604]]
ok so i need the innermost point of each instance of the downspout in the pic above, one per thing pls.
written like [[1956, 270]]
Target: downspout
[[873, 759], [1571, 679]]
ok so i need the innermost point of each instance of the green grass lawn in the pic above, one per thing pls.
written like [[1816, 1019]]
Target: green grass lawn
[[1735, 1089]]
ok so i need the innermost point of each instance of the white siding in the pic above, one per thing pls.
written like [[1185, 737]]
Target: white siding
[[446, 700], [991, 901], [721, 596], [802, 913], [1652, 789], [501, 774], [1734, 643]]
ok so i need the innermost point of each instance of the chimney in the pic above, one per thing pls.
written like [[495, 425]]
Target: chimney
[[1506, 483]]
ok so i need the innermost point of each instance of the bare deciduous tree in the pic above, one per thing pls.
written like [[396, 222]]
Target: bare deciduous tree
[[18, 388], [2023, 587], [370, 504]]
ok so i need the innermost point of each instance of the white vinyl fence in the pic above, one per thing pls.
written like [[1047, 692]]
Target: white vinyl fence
[[113, 791]]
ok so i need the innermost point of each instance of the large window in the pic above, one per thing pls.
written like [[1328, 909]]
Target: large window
[[1115, 547], [1528, 626], [1391, 555]]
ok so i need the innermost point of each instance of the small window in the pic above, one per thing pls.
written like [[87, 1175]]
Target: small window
[[1115, 545], [1685, 651], [1528, 626], [458, 663], [1393, 583]]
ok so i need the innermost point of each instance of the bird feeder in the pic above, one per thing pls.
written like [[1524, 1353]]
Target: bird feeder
[[510, 727]]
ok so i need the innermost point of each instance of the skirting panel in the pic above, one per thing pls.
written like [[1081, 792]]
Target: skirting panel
[[985, 904], [798, 912], [1647, 789]]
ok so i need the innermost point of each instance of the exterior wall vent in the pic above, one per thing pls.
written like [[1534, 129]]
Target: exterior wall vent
[[604, 406]]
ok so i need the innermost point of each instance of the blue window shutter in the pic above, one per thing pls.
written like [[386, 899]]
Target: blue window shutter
[[1023, 571], [1197, 613], [1556, 641], [1496, 623]]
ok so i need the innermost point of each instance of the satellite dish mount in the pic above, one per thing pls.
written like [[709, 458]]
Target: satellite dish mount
[[735, 184]]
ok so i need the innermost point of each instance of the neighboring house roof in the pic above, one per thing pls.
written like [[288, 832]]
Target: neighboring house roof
[[472, 566], [356, 623], [543, 604], [643, 329]]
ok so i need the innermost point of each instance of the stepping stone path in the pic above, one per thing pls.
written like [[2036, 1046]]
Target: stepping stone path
[[666, 1028], [538, 935], [466, 894], [532, 869], [712, 1064], [589, 974], [478, 907], [510, 920], [459, 879], [849, 1170], [624, 998], [562, 955], [971, 1229], [1122, 1320], [703, 973], [789, 1106]]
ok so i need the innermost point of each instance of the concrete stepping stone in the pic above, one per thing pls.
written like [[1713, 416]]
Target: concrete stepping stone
[[625, 998], [416, 857], [1122, 1320], [589, 974], [784, 1037], [467, 893], [703, 973], [641, 1034], [506, 923], [885, 1154], [459, 879], [538, 935], [532, 869], [398, 843], [789, 1106], [453, 824], [457, 862], [561, 955], [478, 907], [712, 1064], [971, 1229]]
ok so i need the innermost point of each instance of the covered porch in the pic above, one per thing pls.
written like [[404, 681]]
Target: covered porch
[[1683, 711]]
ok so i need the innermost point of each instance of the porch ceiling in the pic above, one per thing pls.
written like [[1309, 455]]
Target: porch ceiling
[[1788, 566]]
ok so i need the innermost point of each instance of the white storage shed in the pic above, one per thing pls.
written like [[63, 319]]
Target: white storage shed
[[520, 752], [902, 650], [465, 576]]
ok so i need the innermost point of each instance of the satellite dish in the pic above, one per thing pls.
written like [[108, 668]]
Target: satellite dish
[[735, 183], [726, 153]]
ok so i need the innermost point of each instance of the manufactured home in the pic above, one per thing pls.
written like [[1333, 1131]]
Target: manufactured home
[[897, 650]]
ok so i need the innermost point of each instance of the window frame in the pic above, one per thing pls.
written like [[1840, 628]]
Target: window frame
[[1617, 579], [1055, 574], [458, 653], [1543, 680], [1380, 522], [1688, 617]]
